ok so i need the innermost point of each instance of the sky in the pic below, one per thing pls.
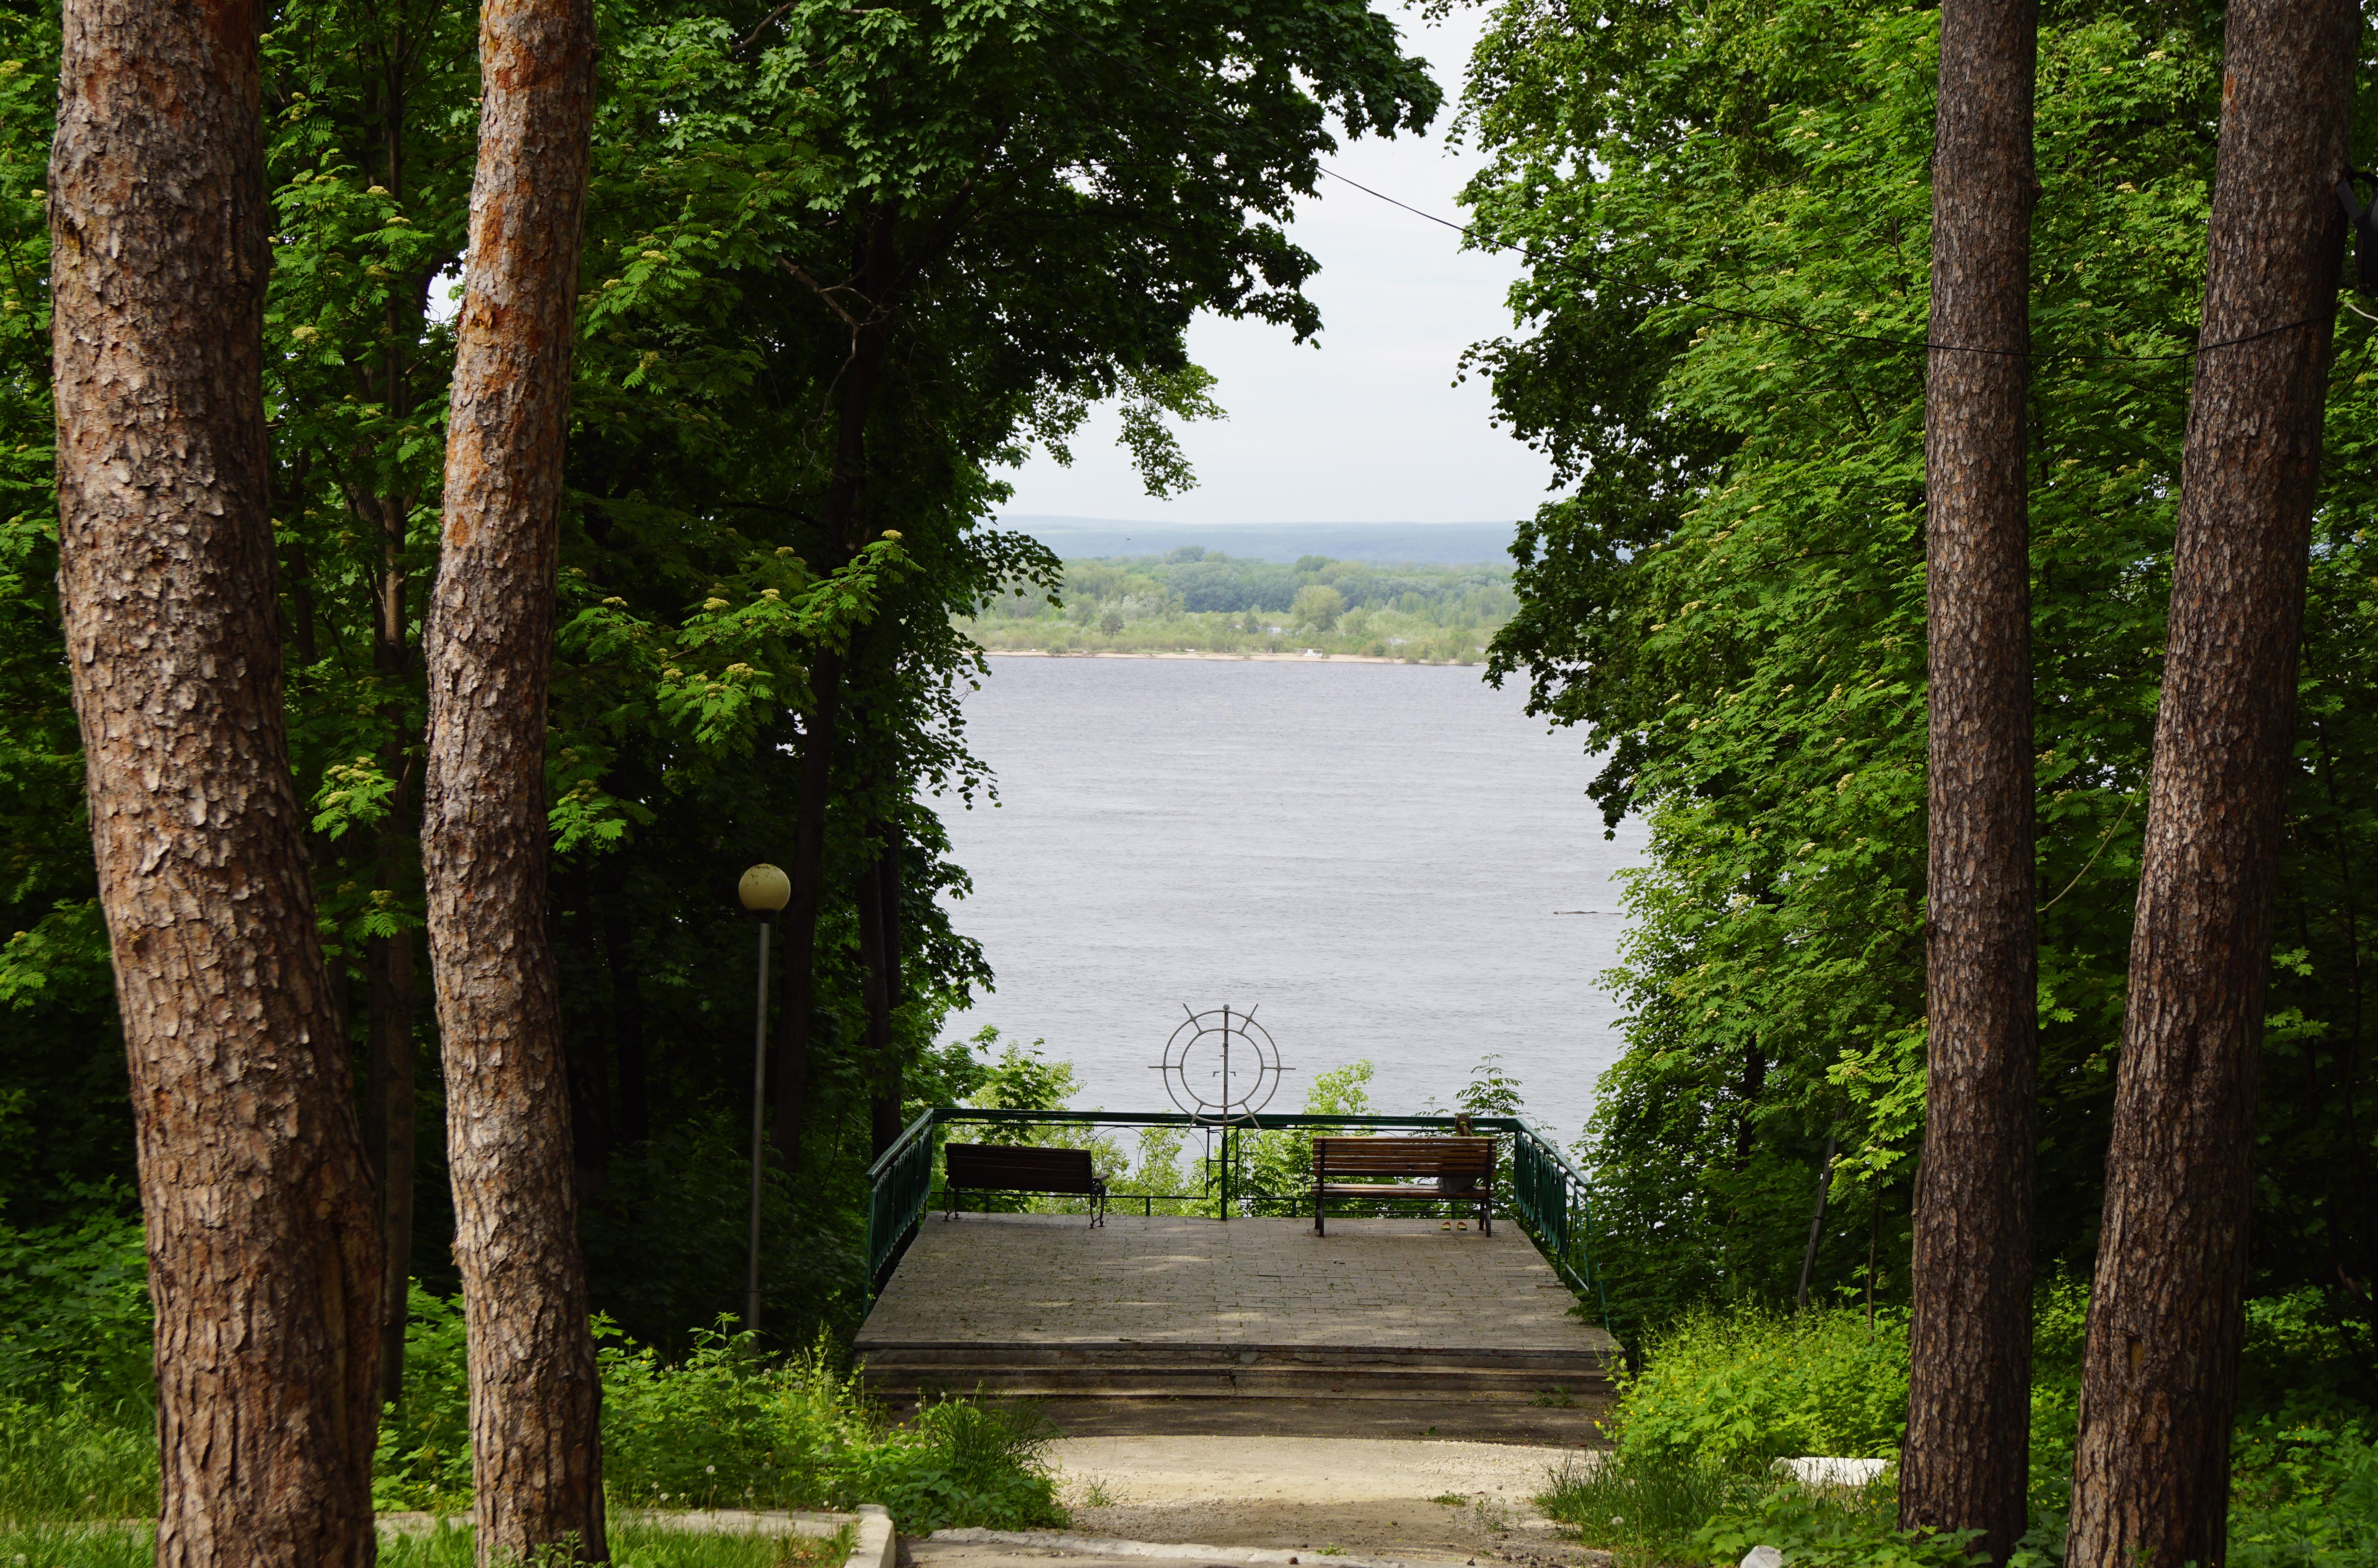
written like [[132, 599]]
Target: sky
[[1367, 427]]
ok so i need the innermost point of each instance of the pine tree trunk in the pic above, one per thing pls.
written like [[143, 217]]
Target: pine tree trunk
[[264, 1261], [1967, 1453], [2159, 1384], [534, 1396]]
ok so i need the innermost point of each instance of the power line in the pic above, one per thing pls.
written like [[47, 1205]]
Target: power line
[[1901, 344], [1458, 228]]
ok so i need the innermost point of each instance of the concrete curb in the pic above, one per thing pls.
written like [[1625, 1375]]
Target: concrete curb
[[876, 1544], [1059, 1540]]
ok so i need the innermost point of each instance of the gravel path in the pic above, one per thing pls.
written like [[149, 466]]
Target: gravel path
[[1393, 1498]]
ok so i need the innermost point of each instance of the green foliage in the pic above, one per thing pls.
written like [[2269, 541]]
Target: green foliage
[[1721, 208], [1024, 257], [74, 1313], [1723, 1393], [1821, 1527], [1643, 1508], [445, 1544], [727, 1426], [1279, 1163], [1736, 1388], [76, 1458]]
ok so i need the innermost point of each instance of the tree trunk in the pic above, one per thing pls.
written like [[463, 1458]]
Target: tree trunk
[[879, 948], [2159, 1382], [873, 281], [1968, 1450], [388, 1108], [534, 1397], [264, 1260], [388, 1098], [801, 919], [390, 1092]]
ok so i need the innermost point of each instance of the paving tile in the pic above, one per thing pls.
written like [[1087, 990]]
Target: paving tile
[[1023, 1278]]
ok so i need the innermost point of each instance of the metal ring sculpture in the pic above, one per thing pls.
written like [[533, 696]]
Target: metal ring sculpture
[[1221, 1066]]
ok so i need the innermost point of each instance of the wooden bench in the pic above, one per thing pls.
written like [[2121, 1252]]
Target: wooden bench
[[1461, 1168], [1004, 1168]]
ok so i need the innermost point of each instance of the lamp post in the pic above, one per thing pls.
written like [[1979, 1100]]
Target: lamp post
[[765, 890]]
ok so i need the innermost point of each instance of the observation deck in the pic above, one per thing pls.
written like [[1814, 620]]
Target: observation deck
[[1387, 1327]]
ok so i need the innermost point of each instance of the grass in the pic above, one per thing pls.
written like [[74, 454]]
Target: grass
[[635, 1543], [1643, 1508]]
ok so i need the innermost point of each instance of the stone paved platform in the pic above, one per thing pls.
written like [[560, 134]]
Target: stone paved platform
[[1384, 1283]]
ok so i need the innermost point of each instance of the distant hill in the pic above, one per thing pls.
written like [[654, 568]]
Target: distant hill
[[1432, 544]]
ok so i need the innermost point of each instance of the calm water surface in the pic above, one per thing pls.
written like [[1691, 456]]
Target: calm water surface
[[1369, 855]]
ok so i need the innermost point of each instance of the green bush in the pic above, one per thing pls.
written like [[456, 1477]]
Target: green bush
[[1734, 1390], [2305, 1494], [1835, 1527], [724, 1426], [74, 1313]]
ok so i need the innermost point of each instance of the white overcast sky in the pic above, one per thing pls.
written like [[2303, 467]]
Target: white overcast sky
[[1367, 427]]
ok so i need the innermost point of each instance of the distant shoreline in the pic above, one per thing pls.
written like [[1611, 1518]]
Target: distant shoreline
[[1242, 658]]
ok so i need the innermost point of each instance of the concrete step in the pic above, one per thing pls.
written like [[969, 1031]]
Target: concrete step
[[1125, 1354], [1247, 1384], [1109, 1371]]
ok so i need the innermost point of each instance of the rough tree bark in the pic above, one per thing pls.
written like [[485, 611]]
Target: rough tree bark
[[2159, 1380], [264, 1259], [1967, 1453], [534, 1398]]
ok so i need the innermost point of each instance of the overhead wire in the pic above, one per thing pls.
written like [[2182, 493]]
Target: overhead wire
[[1901, 344]]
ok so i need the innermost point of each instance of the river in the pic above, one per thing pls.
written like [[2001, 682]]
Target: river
[[1377, 858]]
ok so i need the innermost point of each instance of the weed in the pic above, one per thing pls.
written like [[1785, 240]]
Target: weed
[[1642, 1508], [1450, 1499]]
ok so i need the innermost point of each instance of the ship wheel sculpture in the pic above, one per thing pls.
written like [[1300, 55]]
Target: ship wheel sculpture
[[1221, 1067]]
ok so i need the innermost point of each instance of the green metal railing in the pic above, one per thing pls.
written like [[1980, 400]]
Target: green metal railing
[[1545, 1191]]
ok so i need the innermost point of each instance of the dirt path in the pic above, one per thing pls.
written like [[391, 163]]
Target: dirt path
[[1400, 1499]]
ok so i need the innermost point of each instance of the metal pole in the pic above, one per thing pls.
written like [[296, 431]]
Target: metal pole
[[1226, 1110], [759, 1100]]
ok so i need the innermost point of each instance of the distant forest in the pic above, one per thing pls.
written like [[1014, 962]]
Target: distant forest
[[1205, 600]]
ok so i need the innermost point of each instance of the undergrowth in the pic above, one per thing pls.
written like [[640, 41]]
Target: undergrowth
[[722, 1426], [1721, 1395], [448, 1544]]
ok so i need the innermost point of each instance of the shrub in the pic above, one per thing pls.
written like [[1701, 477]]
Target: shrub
[[1734, 1390], [1835, 1527], [724, 1426], [74, 1313], [2305, 1494]]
